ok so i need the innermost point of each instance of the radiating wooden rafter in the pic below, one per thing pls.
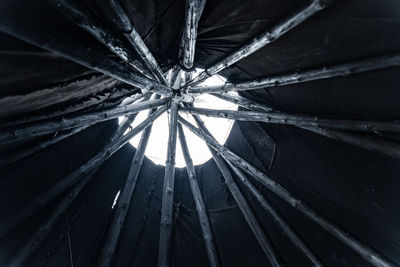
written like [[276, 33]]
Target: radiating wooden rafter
[[148, 76], [124, 200], [363, 250]]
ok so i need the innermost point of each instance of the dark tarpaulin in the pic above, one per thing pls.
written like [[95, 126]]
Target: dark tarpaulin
[[354, 187]]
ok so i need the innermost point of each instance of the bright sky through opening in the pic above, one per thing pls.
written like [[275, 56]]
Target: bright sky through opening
[[220, 128]]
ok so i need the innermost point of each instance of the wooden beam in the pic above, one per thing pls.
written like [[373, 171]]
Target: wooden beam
[[124, 201], [116, 15], [65, 183], [243, 102], [166, 224], [92, 57], [298, 120], [90, 104], [244, 207], [370, 255], [39, 147], [370, 64], [265, 38], [84, 87], [187, 48], [361, 140], [104, 35], [41, 128], [279, 220], [198, 200], [372, 143]]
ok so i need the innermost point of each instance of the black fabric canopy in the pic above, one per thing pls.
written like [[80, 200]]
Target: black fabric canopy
[[44, 73]]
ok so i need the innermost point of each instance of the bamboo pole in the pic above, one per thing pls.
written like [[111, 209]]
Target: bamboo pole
[[166, 224], [65, 183], [243, 102], [198, 200], [364, 65], [279, 220], [187, 48], [298, 120], [124, 201], [100, 32], [363, 250], [244, 207], [41, 128], [265, 38], [114, 12]]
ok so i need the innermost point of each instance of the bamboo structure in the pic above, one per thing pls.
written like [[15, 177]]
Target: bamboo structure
[[116, 15], [298, 120], [194, 9], [198, 200], [262, 40], [244, 207], [65, 183], [122, 206], [167, 205], [100, 32], [363, 250], [41, 128]]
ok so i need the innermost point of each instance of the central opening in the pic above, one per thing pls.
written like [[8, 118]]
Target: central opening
[[220, 128]]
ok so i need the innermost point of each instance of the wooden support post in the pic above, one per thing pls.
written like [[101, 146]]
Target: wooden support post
[[65, 183], [279, 220], [298, 120], [114, 12], [124, 201], [244, 207], [166, 224], [198, 200], [363, 250], [100, 32], [41, 128], [265, 38], [194, 9], [370, 64], [243, 102]]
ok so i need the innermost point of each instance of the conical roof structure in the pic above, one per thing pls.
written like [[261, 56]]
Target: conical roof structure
[[307, 174]]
